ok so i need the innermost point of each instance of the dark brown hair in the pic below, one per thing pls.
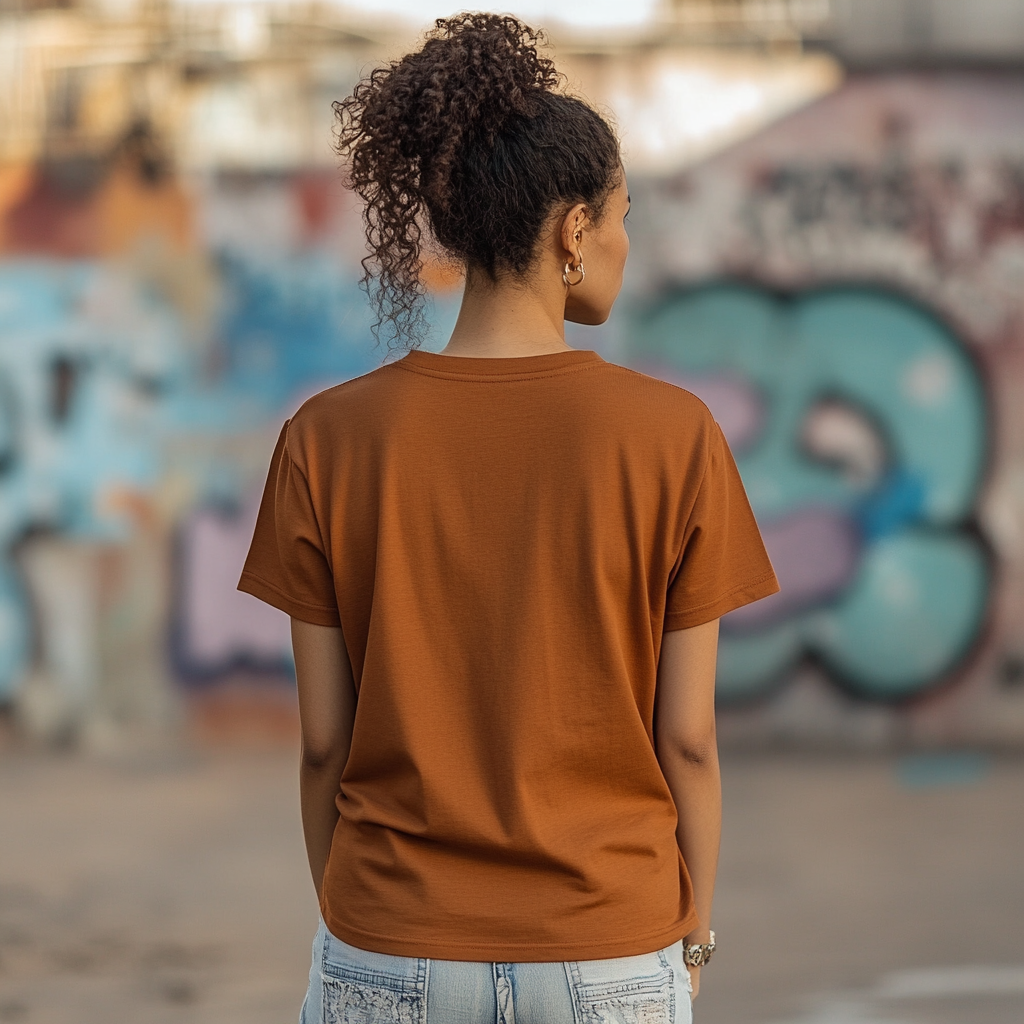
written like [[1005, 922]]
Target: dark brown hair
[[470, 141]]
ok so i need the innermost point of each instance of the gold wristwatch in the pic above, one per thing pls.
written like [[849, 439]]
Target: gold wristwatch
[[698, 955]]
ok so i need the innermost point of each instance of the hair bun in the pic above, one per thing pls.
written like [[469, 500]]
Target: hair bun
[[484, 69]]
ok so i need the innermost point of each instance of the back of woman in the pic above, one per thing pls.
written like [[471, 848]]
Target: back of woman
[[504, 564]]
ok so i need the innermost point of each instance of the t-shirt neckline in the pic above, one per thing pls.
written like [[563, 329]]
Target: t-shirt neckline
[[503, 367]]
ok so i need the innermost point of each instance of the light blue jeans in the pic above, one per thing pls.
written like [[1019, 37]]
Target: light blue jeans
[[352, 986]]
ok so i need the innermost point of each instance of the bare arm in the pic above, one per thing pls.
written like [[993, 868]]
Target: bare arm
[[327, 709], [687, 751]]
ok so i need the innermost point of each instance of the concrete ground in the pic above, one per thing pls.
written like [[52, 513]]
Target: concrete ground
[[170, 888]]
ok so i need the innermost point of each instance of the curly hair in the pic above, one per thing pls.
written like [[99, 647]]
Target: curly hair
[[469, 143]]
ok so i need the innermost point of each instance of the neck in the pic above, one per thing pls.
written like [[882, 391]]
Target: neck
[[509, 318]]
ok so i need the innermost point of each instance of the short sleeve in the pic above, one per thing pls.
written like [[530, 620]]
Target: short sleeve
[[723, 564], [286, 565]]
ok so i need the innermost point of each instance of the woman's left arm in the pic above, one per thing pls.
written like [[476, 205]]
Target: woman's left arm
[[327, 709]]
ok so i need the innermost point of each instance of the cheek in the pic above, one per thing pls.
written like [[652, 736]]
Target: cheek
[[614, 249], [623, 249]]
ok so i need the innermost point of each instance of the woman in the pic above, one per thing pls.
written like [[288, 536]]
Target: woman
[[505, 564]]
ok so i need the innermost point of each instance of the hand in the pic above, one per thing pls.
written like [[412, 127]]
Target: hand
[[694, 982]]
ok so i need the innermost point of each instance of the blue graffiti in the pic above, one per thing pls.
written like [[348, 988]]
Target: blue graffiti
[[859, 425], [98, 374], [82, 365], [290, 325]]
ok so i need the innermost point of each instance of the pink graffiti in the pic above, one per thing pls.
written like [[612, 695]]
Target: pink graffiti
[[220, 623]]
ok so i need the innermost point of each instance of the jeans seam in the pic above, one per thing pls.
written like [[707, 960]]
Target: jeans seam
[[570, 972], [495, 974], [423, 977]]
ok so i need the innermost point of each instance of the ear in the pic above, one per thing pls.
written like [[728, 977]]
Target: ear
[[573, 224]]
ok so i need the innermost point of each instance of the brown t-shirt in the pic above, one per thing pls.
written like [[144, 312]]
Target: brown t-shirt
[[503, 542]]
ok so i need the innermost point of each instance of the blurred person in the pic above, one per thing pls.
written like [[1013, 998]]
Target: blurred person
[[504, 564]]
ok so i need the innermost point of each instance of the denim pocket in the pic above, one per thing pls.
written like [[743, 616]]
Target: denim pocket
[[627, 990], [361, 987]]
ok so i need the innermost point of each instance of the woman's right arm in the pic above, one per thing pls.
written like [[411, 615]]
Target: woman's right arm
[[687, 749], [327, 709]]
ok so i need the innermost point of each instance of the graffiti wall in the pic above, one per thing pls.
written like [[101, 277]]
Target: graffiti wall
[[846, 292], [859, 425], [142, 384]]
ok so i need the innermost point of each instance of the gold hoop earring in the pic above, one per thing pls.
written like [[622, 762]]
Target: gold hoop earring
[[570, 270]]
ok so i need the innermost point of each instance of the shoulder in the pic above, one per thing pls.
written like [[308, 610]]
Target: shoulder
[[340, 412], [657, 390], [666, 410], [342, 403]]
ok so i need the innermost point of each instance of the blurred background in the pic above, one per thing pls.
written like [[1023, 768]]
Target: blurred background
[[827, 247]]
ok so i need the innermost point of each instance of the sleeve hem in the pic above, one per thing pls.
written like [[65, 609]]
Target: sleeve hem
[[264, 591], [746, 593]]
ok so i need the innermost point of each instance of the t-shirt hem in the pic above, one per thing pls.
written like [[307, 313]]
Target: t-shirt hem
[[260, 588], [746, 593], [510, 952]]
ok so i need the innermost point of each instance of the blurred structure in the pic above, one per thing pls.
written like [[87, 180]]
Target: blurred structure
[[835, 264], [175, 272], [845, 289], [863, 33], [927, 33]]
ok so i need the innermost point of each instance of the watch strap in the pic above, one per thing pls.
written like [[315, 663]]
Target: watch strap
[[698, 954]]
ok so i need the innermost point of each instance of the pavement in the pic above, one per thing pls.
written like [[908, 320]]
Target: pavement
[[169, 886]]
